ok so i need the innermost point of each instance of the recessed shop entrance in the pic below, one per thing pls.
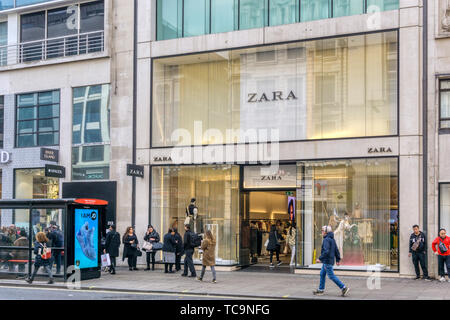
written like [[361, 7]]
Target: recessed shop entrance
[[261, 211]]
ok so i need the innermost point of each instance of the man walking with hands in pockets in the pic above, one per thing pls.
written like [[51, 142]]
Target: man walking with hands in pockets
[[329, 253]]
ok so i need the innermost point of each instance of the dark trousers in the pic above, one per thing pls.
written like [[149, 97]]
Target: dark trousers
[[178, 261], [443, 261], [151, 259], [277, 252], [189, 262], [168, 267], [132, 260], [112, 267], [57, 260], [420, 257], [47, 267]]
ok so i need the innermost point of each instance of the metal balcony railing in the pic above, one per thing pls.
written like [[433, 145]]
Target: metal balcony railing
[[51, 48]]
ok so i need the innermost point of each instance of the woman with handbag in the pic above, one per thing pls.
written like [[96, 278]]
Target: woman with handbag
[[169, 249], [131, 246], [209, 255], [151, 237], [43, 257], [443, 253]]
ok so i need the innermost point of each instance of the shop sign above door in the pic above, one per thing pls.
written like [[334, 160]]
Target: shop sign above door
[[49, 155], [272, 177]]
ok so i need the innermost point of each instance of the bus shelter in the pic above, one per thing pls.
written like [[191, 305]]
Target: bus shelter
[[74, 228]]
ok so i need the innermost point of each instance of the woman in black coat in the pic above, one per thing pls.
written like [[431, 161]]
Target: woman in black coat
[[112, 245], [131, 244], [274, 244], [153, 237], [179, 249], [169, 249]]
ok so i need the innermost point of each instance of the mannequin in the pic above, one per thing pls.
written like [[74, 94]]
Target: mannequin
[[191, 215], [357, 211], [339, 233]]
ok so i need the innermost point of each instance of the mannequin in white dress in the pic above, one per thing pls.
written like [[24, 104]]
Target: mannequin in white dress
[[340, 232]]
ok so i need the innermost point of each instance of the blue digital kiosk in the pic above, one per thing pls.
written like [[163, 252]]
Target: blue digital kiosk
[[87, 225]]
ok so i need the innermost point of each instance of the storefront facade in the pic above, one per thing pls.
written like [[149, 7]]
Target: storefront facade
[[303, 131]]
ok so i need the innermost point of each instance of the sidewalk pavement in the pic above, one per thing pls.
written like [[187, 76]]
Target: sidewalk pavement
[[258, 284]]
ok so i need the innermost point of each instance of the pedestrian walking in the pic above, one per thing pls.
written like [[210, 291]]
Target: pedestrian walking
[[274, 245], [329, 254], [152, 237], [179, 249], [42, 257], [291, 240], [443, 252], [209, 255], [418, 252], [112, 246], [169, 249], [189, 252], [131, 245]]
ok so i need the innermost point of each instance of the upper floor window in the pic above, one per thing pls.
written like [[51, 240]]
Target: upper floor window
[[37, 119], [91, 133], [11, 4], [3, 42], [186, 18], [231, 96], [445, 104], [62, 32]]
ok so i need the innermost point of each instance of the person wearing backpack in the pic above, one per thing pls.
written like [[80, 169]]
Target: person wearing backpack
[[42, 258], [443, 252], [189, 248], [112, 246], [418, 251]]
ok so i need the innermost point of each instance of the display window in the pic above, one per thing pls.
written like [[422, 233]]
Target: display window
[[359, 200], [216, 191], [322, 89]]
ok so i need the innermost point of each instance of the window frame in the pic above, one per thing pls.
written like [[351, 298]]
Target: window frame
[[237, 16], [80, 146], [441, 119], [37, 119]]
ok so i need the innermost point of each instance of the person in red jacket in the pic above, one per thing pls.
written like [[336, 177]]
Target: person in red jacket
[[443, 252]]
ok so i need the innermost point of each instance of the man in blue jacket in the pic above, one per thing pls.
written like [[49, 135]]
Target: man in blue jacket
[[329, 253]]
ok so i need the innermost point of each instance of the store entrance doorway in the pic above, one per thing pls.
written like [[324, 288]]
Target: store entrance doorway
[[260, 211]]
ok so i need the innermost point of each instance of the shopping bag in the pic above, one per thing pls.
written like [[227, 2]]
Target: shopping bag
[[187, 221], [267, 243], [106, 260], [147, 246]]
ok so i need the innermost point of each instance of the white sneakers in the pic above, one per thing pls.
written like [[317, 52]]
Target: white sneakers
[[442, 279]]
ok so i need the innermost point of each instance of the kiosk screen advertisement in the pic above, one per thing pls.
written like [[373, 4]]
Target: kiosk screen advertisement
[[291, 208], [86, 238]]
